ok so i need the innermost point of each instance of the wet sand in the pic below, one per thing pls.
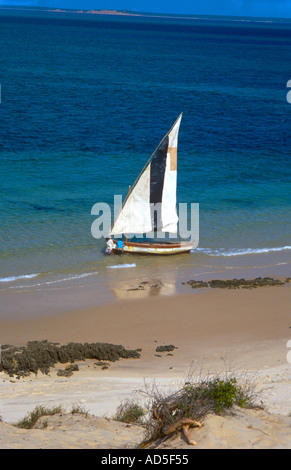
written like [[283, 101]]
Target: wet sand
[[203, 324]]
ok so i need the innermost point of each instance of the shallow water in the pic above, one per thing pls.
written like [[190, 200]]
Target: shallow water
[[85, 101]]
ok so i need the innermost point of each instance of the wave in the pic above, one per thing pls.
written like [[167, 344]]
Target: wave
[[69, 278], [122, 266], [44, 283], [15, 278], [238, 251]]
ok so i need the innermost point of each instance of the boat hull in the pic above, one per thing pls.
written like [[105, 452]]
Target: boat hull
[[154, 248]]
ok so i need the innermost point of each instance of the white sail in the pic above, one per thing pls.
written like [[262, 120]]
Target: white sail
[[135, 215], [151, 204], [169, 202]]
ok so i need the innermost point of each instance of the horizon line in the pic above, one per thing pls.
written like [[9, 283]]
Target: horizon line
[[126, 12]]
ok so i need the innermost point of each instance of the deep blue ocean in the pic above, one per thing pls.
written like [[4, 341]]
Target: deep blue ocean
[[85, 99]]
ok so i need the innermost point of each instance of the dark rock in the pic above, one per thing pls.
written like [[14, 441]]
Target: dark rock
[[196, 284], [237, 283], [68, 371], [101, 364], [166, 348], [42, 355], [243, 283]]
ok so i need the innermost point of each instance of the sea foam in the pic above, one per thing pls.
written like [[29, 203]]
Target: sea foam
[[117, 266], [238, 251], [15, 278]]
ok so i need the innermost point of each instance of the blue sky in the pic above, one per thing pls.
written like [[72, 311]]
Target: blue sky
[[271, 8]]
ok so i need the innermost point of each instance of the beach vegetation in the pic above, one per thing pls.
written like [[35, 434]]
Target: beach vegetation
[[78, 409], [30, 420], [129, 412], [44, 424], [192, 403]]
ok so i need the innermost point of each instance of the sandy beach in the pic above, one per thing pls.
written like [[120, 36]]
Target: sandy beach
[[213, 330]]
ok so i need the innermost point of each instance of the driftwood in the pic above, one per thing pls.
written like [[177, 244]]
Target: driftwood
[[185, 424], [186, 434]]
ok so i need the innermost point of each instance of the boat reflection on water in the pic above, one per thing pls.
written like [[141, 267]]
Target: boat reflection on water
[[143, 289]]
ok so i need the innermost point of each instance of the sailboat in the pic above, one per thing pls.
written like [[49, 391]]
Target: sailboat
[[155, 188]]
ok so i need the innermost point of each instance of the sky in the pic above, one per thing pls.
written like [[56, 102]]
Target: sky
[[264, 8]]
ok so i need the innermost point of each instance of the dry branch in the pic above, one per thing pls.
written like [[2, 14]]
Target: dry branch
[[183, 422]]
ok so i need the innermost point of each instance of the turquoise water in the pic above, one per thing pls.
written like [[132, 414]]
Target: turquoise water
[[86, 99]]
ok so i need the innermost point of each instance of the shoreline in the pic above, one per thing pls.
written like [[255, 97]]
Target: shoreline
[[242, 325], [199, 308], [197, 320], [45, 294]]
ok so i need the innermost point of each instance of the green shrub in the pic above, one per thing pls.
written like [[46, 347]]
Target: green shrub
[[129, 412], [223, 393]]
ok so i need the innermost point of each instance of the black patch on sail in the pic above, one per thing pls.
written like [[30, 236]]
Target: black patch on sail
[[158, 167]]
